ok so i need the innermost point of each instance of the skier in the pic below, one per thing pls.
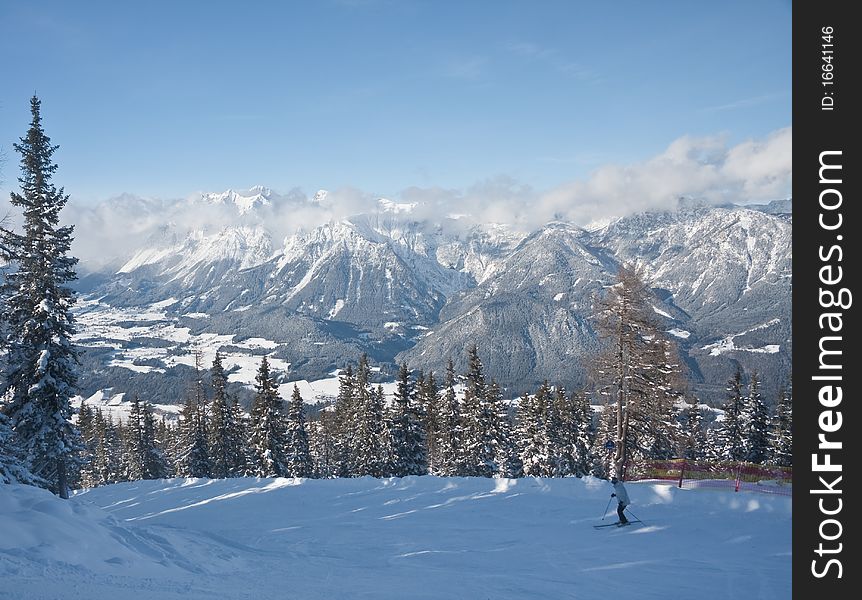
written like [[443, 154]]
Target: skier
[[622, 499]]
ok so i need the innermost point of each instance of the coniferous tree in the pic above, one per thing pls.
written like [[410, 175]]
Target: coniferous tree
[[155, 464], [297, 453], [345, 417], [558, 464], [373, 443], [106, 466], [506, 459], [227, 450], [604, 450], [322, 444], [40, 369], [729, 437], [639, 375], [474, 397], [583, 435], [693, 440], [781, 432], [428, 401], [164, 442], [134, 455], [450, 431], [408, 435], [533, 432], [756, 419], [268, 434], [191, 453], [12, 464]]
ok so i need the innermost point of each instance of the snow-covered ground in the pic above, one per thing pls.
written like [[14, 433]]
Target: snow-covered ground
[[399, 539]]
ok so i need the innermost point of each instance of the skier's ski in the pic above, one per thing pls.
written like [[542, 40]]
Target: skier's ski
[[618, 524]]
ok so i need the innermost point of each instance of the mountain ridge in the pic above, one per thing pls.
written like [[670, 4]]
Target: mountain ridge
[[405, 288]]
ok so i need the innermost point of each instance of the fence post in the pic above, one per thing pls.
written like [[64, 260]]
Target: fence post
[[681, 472], [738, 475]]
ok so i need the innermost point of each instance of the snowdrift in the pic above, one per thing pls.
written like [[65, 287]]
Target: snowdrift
[[416, 537]]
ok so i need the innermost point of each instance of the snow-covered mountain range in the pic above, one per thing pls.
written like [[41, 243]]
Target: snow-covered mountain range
[[405, 287]]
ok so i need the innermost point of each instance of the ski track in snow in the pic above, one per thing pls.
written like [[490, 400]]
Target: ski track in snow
[[411, 538]]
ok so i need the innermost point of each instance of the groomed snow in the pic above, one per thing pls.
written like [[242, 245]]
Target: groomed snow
[[399, 539]]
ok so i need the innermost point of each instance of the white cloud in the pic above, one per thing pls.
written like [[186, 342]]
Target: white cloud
[[707, 168]]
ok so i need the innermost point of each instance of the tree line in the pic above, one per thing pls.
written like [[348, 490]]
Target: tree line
[[459, 425]]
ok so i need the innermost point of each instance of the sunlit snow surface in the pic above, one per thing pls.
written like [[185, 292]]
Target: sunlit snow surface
[[399, 539]]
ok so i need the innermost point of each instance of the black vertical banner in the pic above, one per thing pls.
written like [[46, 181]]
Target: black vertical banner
[[826, 229]]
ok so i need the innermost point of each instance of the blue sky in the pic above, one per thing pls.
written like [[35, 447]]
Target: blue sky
[[164, 98]]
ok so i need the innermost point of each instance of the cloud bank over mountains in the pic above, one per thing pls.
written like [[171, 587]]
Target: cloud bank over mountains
[[705, 168]]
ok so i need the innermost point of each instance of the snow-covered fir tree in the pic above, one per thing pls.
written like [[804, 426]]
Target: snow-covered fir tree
[[12, 465], [39, 373], [155, 462], [428, 401], [474, 460], [693, 440], [756, 419], [373, 452], [322, 444], [345, 419], [506, 459], [450, 429], [297, 453], [192, 450], [268, 434], [134, 455], [781, 430], [533, 432], [728, 438], [227, 445], [583, 433], [406, 429], [191, 455]]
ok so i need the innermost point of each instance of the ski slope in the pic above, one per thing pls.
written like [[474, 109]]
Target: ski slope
[[399, 539]]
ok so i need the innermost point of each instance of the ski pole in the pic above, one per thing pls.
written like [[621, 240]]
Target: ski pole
[[634, 515], [606, 508]]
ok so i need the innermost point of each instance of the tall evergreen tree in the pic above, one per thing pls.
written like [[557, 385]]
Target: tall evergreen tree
[[322, 444], [408, 434], [756, 419], [729, 437], [693, 440], [781, 432], [134, 455], [227, 450], [155, 464], [268, 433], [373, 441], [533, 432], [450, 428], [506, 459], [40, 369], [428, 401], [297, 454], [474, 397], [583, 435], [191, 452], [345, 424], [12, 465]]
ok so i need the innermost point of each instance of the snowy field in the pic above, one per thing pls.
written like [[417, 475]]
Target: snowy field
[[398, 539]]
